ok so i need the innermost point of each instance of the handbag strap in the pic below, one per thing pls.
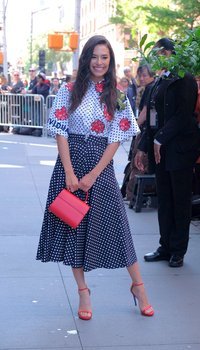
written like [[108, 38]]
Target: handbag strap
[[86, 196]]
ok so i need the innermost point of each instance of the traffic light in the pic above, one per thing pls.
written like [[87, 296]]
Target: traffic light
[[73, 41], [42, 54], [1, 57], [55, 41]]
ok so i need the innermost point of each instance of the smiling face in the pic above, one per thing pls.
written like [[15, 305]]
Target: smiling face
[[99, 63]]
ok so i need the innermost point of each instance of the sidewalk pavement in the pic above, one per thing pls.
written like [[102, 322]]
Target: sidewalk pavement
[[38, 302]]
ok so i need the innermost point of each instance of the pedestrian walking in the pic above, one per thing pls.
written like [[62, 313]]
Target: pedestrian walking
[[89, 120]]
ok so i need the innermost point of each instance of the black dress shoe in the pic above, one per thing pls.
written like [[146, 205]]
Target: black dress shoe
[[176, 261], [156, 256]]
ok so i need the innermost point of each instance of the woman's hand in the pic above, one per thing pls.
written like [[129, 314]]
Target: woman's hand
[[87, 181], [71, 181]]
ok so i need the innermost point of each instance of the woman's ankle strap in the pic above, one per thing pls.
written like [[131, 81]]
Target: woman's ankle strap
[[135, 284], [82, 289]]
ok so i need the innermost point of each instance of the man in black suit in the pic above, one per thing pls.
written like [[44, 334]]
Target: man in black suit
[[172, 140]]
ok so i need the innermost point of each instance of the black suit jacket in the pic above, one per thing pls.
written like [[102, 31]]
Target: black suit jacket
[[178, 131]]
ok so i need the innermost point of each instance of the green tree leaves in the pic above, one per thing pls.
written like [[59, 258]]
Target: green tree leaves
[[186, 59], [158, 18]]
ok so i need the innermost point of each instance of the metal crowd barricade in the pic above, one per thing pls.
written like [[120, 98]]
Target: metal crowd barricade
[[49, 103], [22, 110]]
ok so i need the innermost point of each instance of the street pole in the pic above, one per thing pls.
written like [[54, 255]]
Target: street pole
[[5, 62], [31, 33], [75, 57], [31, 41]]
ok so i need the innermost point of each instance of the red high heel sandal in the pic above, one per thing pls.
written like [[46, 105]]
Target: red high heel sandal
[[148, 310], [85, 315]]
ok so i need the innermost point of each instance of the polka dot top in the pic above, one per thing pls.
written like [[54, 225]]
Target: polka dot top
[[91, 117]]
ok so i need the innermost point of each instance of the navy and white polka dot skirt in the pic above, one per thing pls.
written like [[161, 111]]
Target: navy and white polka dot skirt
[[103, 239]]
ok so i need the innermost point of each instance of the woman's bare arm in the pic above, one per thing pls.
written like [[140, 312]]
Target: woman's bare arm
[[89, 179], [63, 150]]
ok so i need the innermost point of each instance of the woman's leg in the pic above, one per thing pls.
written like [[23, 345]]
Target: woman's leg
[[79, 277], [84, 303], [138, 290]]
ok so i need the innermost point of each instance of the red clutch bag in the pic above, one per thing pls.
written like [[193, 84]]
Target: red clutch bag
[[69, 208]]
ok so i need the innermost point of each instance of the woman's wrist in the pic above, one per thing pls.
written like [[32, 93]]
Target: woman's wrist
[[94, 174], [69, 171]]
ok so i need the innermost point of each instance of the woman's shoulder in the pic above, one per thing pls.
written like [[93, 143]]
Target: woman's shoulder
[[65, 90], [69, 86]]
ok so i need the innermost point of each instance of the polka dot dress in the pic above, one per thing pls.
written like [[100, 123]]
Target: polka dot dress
[[103, 238]]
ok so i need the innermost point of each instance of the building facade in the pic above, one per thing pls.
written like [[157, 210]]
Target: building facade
[[95, 19]]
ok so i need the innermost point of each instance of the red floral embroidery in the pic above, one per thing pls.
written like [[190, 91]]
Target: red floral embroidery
[[69, 86], [61, 113], [99, 87], [124, 124], [97, 126], [106, 114]]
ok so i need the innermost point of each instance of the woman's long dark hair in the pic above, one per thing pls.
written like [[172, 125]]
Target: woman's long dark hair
[[109, 94]]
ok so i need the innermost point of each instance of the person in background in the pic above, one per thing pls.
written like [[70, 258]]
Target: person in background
[[17, 85], [3, 84], [25, 82], [125, 86], [68, 78], [89, 124], [55, 85], [132, 97], [128, 90], [42, 87], [146, 79], [4, 107], [16, 108], [33, 79], [74, 75], [28, 104], [172, 140], [128, 74]]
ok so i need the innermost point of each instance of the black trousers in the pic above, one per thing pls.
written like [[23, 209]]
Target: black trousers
[[174, 190]]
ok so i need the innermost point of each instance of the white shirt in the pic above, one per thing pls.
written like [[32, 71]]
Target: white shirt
[[90, 117]]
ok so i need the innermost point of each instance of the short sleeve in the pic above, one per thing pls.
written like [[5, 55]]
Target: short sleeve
[[124, 125], [57, 123]]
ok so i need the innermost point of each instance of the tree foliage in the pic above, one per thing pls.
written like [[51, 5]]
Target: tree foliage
[[185, 59], [130, 15], [180, 15], [156, 17]]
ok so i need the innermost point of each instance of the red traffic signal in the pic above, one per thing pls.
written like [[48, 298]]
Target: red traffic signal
[[1, 57], [73, 41], [55, 41]]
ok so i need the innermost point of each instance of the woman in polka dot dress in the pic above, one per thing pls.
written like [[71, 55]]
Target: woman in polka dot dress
[[89, 120]]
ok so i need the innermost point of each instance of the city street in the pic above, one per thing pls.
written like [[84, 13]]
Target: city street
[[39, 301]]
